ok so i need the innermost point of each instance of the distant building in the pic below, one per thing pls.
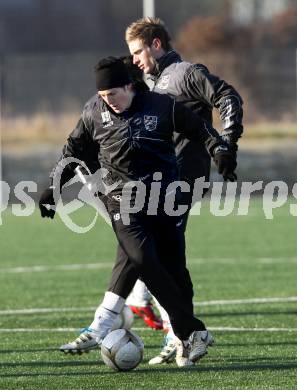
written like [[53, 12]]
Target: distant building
[[246, 11]]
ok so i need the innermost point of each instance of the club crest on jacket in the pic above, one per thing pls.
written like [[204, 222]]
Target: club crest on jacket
[[106, 119], [163, 82], [150, 122]]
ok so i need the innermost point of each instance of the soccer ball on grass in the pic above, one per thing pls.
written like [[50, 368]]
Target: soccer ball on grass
[[124, 320], [122, 350]]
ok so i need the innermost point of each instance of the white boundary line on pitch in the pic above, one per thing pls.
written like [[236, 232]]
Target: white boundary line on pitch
[[194, 261], [217, 329], [46, 268], [230, 329], [222, 302], [246, 301]]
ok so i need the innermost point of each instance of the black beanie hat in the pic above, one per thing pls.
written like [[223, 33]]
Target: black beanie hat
[[110, 73]]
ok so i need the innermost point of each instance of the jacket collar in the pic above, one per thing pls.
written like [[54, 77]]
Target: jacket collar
[[136, 105], [163, 62]]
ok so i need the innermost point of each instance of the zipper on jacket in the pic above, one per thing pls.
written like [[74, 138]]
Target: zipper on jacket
[[130, 135]]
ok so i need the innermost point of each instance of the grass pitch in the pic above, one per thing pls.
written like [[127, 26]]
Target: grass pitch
[[230, 258]]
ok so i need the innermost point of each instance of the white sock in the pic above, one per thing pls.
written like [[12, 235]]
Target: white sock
[[107, 312], [163, 312], [170, 334], [140, 295]]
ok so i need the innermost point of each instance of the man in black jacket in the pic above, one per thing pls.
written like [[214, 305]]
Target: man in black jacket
[[192, 84], [132, 133]]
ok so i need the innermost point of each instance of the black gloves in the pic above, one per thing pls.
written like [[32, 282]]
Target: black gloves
[[47, 203], [225, 161], [231, 141]]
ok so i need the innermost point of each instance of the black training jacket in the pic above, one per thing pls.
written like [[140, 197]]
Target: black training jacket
[[135, 144], [201, 91]]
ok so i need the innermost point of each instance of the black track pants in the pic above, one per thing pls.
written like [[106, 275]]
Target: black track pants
[[155, 252]]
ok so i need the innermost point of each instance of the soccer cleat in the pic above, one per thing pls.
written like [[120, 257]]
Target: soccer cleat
[[167, 353], [87, 340], [182, 353], [148, 316], [198, 343]]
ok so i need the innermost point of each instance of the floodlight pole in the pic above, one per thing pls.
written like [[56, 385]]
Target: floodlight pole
[[296, 82], [1, 118], [148, 8], [2, 96]]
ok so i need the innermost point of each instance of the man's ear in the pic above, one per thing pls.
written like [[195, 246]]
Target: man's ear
[[129, 87], [156, 44]]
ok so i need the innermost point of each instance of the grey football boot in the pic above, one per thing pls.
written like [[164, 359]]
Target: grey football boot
[[190, 351], [87, 340]]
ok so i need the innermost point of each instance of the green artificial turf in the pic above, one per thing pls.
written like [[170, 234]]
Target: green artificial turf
[[230, 258]]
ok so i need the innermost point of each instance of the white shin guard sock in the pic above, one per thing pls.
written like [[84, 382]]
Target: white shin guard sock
[[165, 318], [139, 296], [107, 312], [163, 312]]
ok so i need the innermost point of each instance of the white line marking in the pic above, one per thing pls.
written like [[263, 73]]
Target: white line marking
[[66, 267], [229, 329], [30, 330], [107, 265], [245, 301], [240, 261], [222, 302], [47, 310], [277, 260], [217, 329]]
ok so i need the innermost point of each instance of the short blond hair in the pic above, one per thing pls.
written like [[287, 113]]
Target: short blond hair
[[147, 29]]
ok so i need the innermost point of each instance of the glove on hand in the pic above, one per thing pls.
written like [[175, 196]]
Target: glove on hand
[[47, 203], [226, 163], [229, 140]]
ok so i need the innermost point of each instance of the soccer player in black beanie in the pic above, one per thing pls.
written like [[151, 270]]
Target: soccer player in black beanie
[[132, 132], [111, 73]]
